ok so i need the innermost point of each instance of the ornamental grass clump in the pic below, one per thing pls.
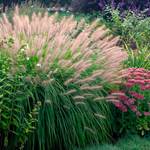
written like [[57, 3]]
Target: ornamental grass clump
[[65, 67]]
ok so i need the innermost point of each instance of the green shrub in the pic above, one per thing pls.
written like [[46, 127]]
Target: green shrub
[[135, 34]]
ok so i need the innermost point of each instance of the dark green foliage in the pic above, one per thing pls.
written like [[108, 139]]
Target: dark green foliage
[[84, 5]]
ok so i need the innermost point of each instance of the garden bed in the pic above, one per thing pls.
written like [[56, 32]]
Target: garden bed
[[81, 81]]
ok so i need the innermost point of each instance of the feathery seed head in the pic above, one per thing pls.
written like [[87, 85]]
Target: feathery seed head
[[80, 53]]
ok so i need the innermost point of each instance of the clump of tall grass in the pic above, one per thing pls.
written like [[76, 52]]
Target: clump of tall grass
[[61, 70]]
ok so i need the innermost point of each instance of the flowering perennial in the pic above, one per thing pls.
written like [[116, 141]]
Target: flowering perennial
[[129, 98]]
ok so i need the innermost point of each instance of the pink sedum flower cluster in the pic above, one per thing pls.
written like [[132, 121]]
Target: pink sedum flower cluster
[[138, 76], [128, 99]]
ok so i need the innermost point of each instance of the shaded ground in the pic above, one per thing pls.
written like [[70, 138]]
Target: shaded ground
[[127, 143]]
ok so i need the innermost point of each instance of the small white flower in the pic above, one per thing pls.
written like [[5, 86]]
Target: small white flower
[[38, 65], [27, 46], [28, 58], [62, 9], [48, 9], [22, 50]]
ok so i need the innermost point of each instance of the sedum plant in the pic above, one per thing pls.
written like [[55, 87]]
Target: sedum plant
[[133, 101], [64, 70]]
